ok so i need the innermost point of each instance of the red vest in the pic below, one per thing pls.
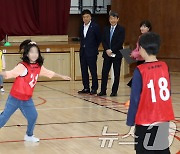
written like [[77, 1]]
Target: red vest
[[23, 86], [155, 101]]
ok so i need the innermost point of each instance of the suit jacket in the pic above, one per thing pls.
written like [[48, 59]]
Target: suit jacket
[[89, 44], [116, 41]]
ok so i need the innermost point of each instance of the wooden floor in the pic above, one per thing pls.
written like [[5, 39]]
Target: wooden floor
[[69, 123]]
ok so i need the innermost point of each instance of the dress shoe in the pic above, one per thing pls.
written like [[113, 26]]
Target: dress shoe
[[84, 91], [102, 94], [93, 92], [113, 94]]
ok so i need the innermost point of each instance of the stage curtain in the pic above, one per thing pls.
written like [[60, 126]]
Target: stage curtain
[[53, 16], [33, 17]]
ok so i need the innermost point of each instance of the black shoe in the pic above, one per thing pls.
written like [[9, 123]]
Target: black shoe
[[113, 94], [84, 91], [102, 94], [93, 92]]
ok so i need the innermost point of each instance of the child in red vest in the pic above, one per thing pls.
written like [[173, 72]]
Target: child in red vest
[[150, 100], [26, 74]]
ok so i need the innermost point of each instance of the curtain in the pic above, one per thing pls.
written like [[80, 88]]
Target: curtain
[[53, 16], [33, 17]]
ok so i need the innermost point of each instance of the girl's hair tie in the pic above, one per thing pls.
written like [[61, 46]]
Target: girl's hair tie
[[32, 42]]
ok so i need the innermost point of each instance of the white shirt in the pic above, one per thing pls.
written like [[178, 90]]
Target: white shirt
[[86, 28]]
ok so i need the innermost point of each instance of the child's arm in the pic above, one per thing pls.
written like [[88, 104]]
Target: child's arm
[[135, 97], [62, 76], [18, 70], [50, 74]]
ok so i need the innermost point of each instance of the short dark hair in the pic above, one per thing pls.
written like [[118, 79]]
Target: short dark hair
[[23, 44], [86, 12], [150, 41], [114, 14], [27, 48], [146, 23]]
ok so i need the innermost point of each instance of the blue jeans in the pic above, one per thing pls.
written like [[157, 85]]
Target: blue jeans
[[27, 108], [1, 80]]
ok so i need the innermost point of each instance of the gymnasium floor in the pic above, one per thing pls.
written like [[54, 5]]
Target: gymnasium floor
[[69, 123]]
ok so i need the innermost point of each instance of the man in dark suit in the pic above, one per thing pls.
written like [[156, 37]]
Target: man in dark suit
[[90, 39], [112, 40]]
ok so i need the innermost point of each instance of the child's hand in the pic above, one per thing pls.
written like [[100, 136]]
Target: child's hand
[[62, 76], [66, 77]]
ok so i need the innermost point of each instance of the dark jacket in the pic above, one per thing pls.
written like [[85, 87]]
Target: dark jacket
[[89, 45], [116, 41]]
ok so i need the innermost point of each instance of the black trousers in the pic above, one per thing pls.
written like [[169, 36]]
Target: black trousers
[[142, 131], [91, 63], [107, 63]]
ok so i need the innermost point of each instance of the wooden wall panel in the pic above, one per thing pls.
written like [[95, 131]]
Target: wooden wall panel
[[164, 16], [74, 24], [130, 16]]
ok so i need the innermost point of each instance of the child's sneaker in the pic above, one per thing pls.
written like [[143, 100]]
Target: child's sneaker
[[31, 138], [2, 90]]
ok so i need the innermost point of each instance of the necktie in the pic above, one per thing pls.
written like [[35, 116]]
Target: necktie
[[111, 33]]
